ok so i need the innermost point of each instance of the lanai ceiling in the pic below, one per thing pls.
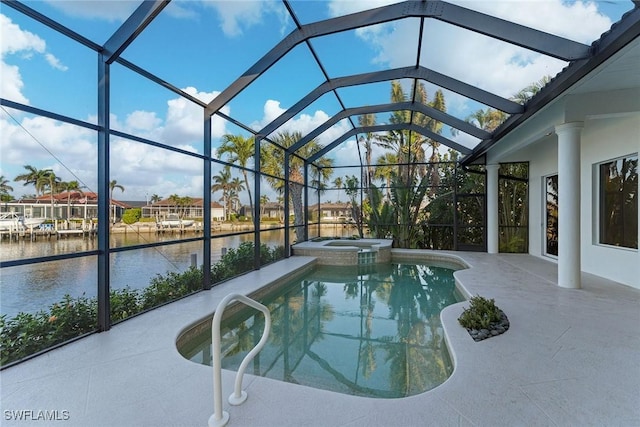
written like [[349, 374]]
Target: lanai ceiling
[[312, 65]]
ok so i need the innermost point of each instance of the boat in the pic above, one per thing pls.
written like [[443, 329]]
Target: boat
[[15, 221], [174, 221]]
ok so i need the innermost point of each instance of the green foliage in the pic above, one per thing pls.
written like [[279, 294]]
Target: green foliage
[[169, 287], [241, 259], [124, 303], [481, 313], [29, 333], [131, 216]]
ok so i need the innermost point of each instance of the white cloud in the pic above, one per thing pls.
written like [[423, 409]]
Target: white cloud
[[68, 150], [18, 41], [237, 16], [11, 83], [103, 10], [55, 62], [479, 60], [184, 121]]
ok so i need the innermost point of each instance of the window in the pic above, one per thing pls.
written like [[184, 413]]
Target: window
[[551, 214], [619, 202]]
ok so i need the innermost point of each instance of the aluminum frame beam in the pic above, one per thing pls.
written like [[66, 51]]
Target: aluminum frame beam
[[396, 126], [131, 28], [509, 32], [381, 108], [469, 91], [620, 35]]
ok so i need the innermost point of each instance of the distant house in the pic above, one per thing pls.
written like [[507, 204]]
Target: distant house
[[271, 210], [331, 211], [192, 210], [65, 205]]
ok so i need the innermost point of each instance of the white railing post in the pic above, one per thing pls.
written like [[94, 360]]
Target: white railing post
[[220, 417]]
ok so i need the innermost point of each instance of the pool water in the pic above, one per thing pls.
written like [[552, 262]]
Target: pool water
[[370, 331]]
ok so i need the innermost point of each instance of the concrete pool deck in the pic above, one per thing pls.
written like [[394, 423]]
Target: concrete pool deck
[[570, 358]]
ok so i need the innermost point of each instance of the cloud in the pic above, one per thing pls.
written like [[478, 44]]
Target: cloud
[[11, 83], [140, 168], [238, 16], [111, 11], [479, 60], [18, 41], [184, 121], [55, 62]]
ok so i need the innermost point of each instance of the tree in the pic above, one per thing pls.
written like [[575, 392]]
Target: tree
[[39, 178], [222, 182], [367, 120], [352, 189], [112, 186], [70, 187], [5, 188], [235, 187], [240, 150], [175, 200], [385, 170], [154, 198], [525, 94], [337, 183], [264, 199], [272, 164], [488, 119]]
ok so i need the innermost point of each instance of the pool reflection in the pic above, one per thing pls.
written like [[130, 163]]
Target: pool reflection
[[371, 331]]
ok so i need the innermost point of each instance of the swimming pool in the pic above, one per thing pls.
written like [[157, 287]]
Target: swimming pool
[[370, 331]]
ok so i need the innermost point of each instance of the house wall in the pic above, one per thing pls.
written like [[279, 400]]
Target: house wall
[[604, 137]]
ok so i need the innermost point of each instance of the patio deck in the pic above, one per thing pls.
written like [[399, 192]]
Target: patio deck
[[569, 358]]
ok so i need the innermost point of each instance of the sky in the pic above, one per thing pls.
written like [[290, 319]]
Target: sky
[[203, 46]]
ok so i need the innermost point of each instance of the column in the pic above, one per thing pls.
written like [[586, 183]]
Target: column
[[569, 204], [493, 233]]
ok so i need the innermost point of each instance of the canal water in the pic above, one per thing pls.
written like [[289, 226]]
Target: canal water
[[31, 288]]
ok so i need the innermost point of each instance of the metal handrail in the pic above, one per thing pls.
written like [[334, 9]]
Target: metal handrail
[[220, 417]]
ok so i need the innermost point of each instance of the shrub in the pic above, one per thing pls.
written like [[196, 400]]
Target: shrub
[[29, 333], [131, 216], [481, 313]]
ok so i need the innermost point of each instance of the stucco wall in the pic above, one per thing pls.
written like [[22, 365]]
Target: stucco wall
[[603, 138]]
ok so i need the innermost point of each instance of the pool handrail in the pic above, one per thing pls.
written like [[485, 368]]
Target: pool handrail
[[221, 418]]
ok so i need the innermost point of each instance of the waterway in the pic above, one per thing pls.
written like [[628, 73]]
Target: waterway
[[35, 287]]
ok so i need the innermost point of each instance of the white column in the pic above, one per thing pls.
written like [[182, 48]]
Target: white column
[[493, 233], [569, 204]]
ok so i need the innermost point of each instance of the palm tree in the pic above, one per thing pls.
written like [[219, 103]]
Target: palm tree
[[525, 94], [154, 198], [112, 186], [48, 180], [5, 188], [337, 183], [272, 165], [488, 119], [70, 187], [264, 199], [385, 170], [240, 150], [221, 182], [364, 121], [39, 178], [235, 187], [175, 200], [352, 188]]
